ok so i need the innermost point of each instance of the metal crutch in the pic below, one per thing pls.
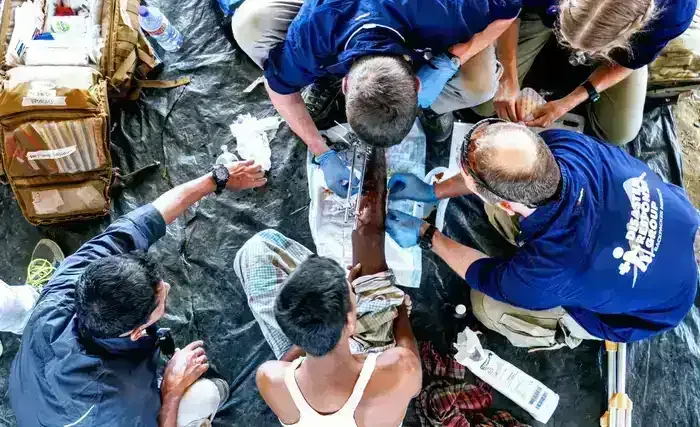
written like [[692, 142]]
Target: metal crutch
[[619, 412]]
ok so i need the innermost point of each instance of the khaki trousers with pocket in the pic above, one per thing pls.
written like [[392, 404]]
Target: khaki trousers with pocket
[[528, 328]]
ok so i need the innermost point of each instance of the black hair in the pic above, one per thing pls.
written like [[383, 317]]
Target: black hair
[[312, 306], [116, 294]]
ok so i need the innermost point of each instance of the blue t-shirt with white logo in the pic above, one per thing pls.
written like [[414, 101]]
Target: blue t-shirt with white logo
[[327, 36], [616, 250]]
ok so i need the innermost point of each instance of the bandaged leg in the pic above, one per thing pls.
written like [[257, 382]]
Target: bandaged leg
[[259, 25], [16, 304], [262, 265], [201, 402], [528, 328]]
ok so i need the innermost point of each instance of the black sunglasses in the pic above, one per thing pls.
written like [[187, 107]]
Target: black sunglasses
[[480, 126]]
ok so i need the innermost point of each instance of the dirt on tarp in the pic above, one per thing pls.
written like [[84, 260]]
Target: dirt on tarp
[[183, 129]]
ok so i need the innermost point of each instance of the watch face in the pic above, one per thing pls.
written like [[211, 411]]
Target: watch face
[[221, 173]]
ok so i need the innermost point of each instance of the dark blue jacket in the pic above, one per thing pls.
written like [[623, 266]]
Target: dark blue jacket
[[60, 379], [616, 250], [328, 35]]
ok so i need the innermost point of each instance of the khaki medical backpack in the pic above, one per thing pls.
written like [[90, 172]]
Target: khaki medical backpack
[[54, 135]]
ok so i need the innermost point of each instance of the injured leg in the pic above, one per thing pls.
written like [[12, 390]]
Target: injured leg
[[377, 295], [369, 233]]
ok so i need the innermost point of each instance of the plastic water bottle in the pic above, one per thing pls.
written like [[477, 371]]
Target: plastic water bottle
[[157, 25], [225, 157]]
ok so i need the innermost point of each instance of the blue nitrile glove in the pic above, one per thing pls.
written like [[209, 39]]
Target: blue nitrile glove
[[433, 78], [337, 173], [403, 228], [406, 186]]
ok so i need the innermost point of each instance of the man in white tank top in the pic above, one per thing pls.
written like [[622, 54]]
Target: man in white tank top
[[316, 310]]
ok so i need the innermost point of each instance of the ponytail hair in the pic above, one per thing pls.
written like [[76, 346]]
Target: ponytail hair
[[596, 27]]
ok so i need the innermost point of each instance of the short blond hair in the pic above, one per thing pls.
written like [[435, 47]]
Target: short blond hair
[[596, 27]]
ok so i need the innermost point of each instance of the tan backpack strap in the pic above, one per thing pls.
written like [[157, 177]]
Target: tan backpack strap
[[4, 27], [164, 84], [146, 58], [128, 65]]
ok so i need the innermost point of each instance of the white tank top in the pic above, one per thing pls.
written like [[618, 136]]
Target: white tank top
[[345, 417]]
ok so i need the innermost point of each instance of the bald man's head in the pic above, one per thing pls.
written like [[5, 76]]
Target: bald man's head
[[515, 162]]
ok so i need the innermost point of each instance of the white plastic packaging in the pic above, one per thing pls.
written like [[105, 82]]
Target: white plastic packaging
[[70, 77], [525, 391], [226, 157], [252, 139], [56, 52], [28, 21]]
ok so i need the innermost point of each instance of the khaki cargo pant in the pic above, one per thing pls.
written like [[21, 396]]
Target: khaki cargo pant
[[259, 25], [529, 328], [522, 327], [616, 117]]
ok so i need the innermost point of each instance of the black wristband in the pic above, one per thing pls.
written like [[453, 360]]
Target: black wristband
[[593, 94], [220, 174]]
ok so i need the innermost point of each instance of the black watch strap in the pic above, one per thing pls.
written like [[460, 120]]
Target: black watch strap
[[221, 175], [426, 241], [593, 94]]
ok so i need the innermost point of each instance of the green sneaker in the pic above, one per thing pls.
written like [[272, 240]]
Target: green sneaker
[[46, 257]]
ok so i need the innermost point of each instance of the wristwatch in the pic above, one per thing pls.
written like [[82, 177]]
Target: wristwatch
[[426, 240], [593, 94], [221, 175]]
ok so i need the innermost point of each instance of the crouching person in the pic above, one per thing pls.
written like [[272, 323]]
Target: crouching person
[[308, 311], [90, 352]]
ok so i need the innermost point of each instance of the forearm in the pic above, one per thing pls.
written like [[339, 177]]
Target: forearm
[[604, 77], [452, 187], [173, 203], [168, 410], [480, 41], [292, 354], [507, 51], [403, 332], [456, 255], [293, 110]]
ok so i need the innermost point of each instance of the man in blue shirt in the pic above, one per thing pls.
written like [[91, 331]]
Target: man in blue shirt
[[375, 46], [90, 350], [605, 247], [620, 37]]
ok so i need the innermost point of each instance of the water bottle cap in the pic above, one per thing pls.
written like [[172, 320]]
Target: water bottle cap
[[460, 309], [143, 11]]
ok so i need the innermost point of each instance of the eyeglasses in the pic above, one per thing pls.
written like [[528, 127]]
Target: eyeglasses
[[468, 147]]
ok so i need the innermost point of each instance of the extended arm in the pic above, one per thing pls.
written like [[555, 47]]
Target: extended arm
[[480, 41], [293, 110], [509, 86], [452, 187], [174, 202], [602, 78], [456, 255]]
